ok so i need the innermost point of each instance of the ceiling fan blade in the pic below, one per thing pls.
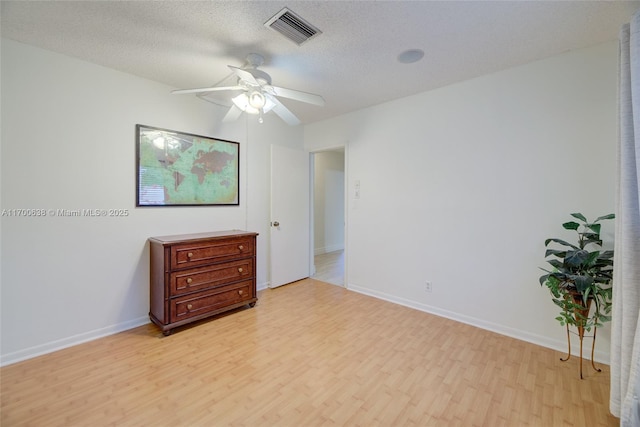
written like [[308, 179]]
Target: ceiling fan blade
[[233, 114], [283, 112], [205, 89], [244, 75], [217, 101], [309, 98]]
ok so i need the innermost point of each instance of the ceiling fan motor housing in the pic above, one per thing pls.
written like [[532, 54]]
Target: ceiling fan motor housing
[[262, 77]]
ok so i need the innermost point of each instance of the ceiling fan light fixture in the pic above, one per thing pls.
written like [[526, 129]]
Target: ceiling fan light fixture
[[253, 103], [242, 102], [257, 99]]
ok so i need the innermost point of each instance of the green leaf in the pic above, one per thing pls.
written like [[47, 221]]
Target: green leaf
[[556, 252], [595, 227], [592, 238], [605, 266], [561, 242], [601, 278], [571, 225], [579, 216], [555, 292], [558, 276], [576, 258], [610, 216], [583, 282], [592, 258], [556, 263], [606, 255]]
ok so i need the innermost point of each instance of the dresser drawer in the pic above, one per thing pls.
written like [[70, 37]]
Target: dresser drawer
[[195, 254], [201, 278], [205, 302]]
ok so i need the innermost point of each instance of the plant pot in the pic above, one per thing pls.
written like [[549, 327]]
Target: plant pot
[[580, 314]]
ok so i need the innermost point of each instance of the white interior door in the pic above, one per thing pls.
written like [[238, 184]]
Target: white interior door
[[290, 226]]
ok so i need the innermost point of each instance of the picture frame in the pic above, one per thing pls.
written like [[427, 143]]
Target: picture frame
[[184, 169]]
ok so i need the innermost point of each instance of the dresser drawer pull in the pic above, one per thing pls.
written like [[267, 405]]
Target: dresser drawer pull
[[189, 306], [240, 292], [241, 247], [240, 270], [190, 254], [189, 280]]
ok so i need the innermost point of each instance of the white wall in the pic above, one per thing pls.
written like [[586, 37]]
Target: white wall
[[461, 186], [68, 142], [328, 203]]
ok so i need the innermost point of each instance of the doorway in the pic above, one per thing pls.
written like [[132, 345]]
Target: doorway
[[328, 207]]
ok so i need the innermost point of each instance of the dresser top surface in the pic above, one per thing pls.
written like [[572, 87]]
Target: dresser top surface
[[176, 238]]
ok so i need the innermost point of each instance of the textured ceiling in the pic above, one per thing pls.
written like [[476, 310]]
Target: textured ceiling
[[352, 64]]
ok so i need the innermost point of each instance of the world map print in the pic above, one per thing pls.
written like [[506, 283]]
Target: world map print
[[184, 169]]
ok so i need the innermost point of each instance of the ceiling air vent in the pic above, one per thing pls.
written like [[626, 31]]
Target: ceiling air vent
[[292, 27]]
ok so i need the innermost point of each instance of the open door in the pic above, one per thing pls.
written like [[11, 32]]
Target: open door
[[290, 226]]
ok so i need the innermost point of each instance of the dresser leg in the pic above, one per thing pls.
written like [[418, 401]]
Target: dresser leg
[[167, 332]]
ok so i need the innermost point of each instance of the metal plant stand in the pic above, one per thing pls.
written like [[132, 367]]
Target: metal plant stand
[[581, 335]]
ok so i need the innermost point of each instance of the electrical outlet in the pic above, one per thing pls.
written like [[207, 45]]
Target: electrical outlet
[[427, 286]]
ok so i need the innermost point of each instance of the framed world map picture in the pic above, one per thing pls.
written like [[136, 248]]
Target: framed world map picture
[[182, 169]]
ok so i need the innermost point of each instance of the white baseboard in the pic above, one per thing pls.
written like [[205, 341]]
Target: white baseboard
[[50, 347], [558, 345]]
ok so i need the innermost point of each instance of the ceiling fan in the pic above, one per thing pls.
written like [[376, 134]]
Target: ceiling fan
[[257, 95]]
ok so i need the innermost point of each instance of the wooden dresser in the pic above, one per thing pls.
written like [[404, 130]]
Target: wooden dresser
[[194, 276]]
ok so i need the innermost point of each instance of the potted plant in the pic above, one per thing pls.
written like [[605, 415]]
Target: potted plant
[[581, 277]]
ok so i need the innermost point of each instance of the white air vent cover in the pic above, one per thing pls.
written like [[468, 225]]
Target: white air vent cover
[[292, 27]]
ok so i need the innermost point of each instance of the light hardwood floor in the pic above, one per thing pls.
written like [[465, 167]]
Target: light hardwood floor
[[330, 267], [308, 354]]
